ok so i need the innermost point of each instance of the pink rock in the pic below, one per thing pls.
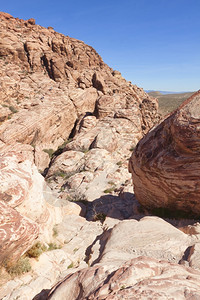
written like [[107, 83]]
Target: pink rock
[[165, 164], [17, 233], [139, 278]]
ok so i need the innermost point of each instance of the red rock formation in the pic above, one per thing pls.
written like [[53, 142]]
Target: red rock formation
[[139, 278], [165, 165], [24, 213], [17, 233], [49, 80]]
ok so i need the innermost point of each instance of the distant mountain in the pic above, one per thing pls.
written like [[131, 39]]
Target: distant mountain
[[169, 102], [164, 92]]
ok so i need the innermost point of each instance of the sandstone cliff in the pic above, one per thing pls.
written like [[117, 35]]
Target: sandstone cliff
[[49, 81]]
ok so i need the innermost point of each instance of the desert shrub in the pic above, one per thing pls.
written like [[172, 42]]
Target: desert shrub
[[53, 246], [61, 147], [77, 197], [119, 163], [36, 250], [109, 190], [84, 150], [132, 148], [111, 182], [49, 151], [122, 287], [64, 174], [20, 267], [70, 266], [99, 217], [64, 144], [13, 109], [59, 174]]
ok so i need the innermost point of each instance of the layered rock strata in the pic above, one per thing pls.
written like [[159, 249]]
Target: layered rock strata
[[165, 164], [24, 213], [139, 278], [49, 81]]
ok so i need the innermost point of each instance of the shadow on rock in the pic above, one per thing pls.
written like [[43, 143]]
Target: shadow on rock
[[43, 295], [121, 207]]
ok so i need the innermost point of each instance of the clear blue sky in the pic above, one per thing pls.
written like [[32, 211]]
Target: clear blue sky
[[153, 43]]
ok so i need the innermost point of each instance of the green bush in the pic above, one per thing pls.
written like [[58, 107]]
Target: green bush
[[64, 144], [70, 266], [53, 246], [109, 190], [64, 174], [49, 151], [20, 267], [59, 174]]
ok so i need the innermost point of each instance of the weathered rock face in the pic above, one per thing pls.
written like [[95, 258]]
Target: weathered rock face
[[24, 212], [139, 278], [49, 81], [17, 233], [165, 164], [164, 242]]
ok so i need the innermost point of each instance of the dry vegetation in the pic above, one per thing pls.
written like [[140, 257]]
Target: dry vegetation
[[169, 102]]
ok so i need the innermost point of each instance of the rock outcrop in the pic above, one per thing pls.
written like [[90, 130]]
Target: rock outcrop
[[24, 213], [139, 278], [17, 234], [132, 260], [165, 164], [50, 81]]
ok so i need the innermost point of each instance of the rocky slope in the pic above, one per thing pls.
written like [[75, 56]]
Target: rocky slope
[[139, 278], [78, 229], [50, 81]]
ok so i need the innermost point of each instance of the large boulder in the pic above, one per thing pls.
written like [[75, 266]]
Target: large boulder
[[165, 164]]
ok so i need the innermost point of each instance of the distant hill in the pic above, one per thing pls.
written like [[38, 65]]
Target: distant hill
[[155, 93], [169, 102], [165, 92]]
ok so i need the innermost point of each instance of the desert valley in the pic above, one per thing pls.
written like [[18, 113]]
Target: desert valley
[[99, 187]]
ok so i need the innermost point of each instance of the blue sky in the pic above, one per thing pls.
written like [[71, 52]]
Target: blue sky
[[153, 43]]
